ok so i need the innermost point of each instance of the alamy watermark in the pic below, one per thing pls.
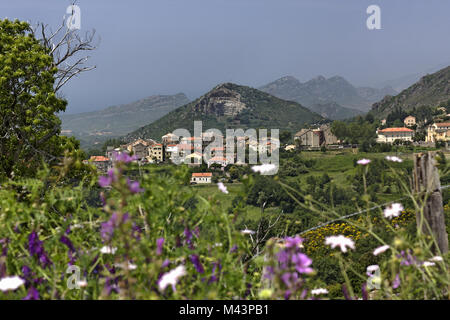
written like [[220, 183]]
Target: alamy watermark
[[373, 22], [73, 21]]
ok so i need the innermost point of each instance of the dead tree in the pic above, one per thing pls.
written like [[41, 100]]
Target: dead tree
[[67, 48], [427, 186]]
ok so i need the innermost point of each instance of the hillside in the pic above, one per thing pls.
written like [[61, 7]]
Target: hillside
[[232, 106], [430, 90], [320, 91], [334, 111], [94, 127]]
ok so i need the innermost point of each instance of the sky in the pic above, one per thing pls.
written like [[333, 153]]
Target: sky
[[150, 47]]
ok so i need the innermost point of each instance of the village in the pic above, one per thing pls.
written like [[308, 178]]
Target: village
[[172, 149]]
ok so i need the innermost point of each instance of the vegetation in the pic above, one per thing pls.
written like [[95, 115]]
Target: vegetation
[[29, 133]]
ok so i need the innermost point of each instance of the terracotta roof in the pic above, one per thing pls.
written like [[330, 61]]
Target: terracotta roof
[[443, 124], [98, 158], [202, 174], [396, 130]]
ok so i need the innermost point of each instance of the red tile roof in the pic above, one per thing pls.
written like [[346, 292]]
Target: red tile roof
[[396, 130], [443, 124], [202, 174], [98, 158]]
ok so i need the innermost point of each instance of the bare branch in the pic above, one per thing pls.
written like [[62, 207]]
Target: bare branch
[[64, 45]]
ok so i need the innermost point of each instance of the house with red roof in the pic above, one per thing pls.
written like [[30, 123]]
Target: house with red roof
[[201, 177], [100, 162], [389, 135]]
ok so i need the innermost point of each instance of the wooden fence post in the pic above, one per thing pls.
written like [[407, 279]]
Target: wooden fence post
[[428, 186]]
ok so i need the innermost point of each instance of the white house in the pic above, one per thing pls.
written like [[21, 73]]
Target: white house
[[389, 135], [201, 177]]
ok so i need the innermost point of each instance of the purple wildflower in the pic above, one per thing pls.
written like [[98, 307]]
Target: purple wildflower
[[33, 294], [214, 276], [396, 282], [68, 243], [407, 258], [133, 186], [124, 157], [293, 242], [302, 263], [36, 248], [234, 248], [345, 292], [159, 246], [365, 295], [107, 228], [136, 231], [165, 264], [188, 234], [287, 294], [105, 181], [197, 264]]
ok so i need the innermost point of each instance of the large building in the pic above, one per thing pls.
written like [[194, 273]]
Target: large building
[[312, 138], [389, 135], [315, 138], [438, 132]]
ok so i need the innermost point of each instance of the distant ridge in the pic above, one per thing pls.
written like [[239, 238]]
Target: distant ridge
[[95, 127], [232, 106], [320, 91]]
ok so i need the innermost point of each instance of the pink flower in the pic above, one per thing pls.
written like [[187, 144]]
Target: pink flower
[[381, 249]]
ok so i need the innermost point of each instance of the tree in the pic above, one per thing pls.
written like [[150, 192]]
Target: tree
[[285, 137], [29, 78]]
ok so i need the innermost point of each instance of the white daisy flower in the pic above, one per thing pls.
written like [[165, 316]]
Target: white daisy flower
[[171, 278], [340, 241], [393, 210], [318, 291], [10, 283], [393, 159], [108, 250]]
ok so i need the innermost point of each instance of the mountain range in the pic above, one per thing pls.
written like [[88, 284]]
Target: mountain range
[[431, 90], [93, 128], [344, 98], [232, 106]]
